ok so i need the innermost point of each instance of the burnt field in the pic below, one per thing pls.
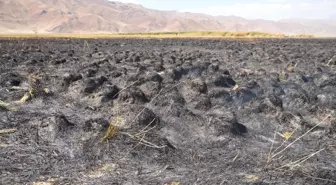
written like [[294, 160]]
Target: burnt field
[[167, 111]]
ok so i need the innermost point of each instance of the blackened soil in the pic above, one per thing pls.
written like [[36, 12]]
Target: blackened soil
[[188, 111]]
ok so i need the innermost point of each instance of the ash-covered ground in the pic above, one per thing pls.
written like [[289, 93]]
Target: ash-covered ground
[[167, 111]]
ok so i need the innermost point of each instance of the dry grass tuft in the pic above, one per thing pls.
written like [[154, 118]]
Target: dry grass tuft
[[331, 60], [288, 135], [101, 170], [251, 178], [290, 68], [297, 163], [112, 131], [49, 182], [8, 131], [174, 183], [283, 76], [236, 87], [6, 106], [25, 98]]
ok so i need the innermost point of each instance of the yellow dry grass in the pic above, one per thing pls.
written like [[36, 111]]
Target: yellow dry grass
[[6, 106], [111, 131], [251, 178], [25, 98], [2, 145], [190, 34], [174, 183], [48, 182], [100, 171], [43, 183], [8, 131], [236, 87], [331, 60]]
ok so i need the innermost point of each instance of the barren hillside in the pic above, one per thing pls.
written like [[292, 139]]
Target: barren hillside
[[97, 16]]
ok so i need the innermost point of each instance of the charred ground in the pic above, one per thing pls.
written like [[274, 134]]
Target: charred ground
[[183, 110]]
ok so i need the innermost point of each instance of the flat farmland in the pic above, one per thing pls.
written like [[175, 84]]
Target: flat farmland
[[167, 111]]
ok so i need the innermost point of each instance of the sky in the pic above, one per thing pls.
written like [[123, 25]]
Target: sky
[[253, 9]]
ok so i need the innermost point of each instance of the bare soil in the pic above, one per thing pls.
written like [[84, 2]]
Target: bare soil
[[189, 111]]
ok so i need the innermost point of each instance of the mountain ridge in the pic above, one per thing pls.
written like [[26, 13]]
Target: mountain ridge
[[103, 16]]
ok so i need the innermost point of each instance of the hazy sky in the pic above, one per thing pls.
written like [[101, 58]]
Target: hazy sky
[[253, 9]]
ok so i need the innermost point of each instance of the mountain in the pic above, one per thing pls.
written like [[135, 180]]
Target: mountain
[[103, 16]]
